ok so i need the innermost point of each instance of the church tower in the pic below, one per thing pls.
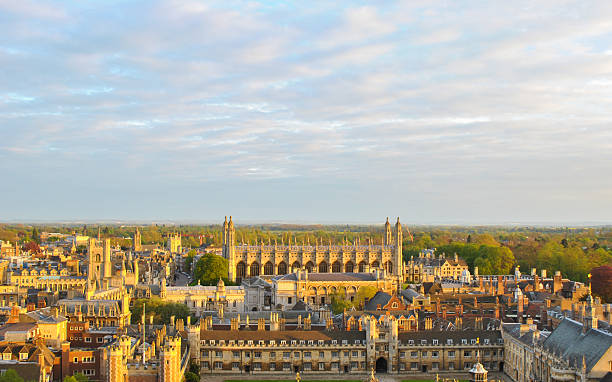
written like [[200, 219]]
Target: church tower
[[399, 260], [137, 245], [229, 241], [387, 239], [108, 266]]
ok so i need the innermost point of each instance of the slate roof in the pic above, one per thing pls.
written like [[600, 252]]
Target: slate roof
[[288, 335], [380, 298], [592, 345]]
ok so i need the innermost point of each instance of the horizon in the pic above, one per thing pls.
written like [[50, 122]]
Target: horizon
[[335, 113]]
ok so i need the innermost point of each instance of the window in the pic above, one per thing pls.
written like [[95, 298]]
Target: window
[[464, 341], [289, 300], [451, 354], [410, 342], [99, 340], [466, 365], [89, 359], [235, 365], [87, 339], [218, 354], [205, 365], [272, 365], [449, 341], [89, 372], [75, 360], [423, 354], [286, 355], [272, 354], [296, 354], [334, 354], [335, 365], [434, 354], [204, 353], [451, 366], [435, 365], [423, 342], [473, 341], [307, 366], [236, 354], [467, 353], [218, 365], [346, 353], [414, 365], [486, 341], [355, 354], [23, 356], [321, 366], [435, 342], [414, 354], [321, 354], [257, 365], [286, 366], [257, 354], [306, 354]]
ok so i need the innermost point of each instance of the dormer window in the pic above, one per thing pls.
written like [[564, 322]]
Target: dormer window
[[334, 342]]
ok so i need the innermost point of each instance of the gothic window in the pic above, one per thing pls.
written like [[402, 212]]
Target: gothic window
[[389, 267], [349, 267], [282, 268], [240, 270], [336, 267], [375, 264], [309, 266], [295, 266], [322, 267], [362, 266], [255, 269], [268, 268]]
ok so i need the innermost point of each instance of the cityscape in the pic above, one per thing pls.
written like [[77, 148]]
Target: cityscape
[[277, 191]]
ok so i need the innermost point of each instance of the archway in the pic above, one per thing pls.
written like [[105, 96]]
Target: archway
[[381, 365], [268, 268], [322, 267], [375, 264], [282, 268]]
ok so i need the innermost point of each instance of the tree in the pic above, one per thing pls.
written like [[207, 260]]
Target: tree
[[11, 376], [191, 377], [189, 260], [363, 293], [210, 268], [601, 282], [161, 311], [32, 247], [35, 235]]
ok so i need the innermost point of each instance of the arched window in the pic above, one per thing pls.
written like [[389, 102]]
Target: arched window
[[322, 267], [282, 268], [309, 266], [255, 269], [268, 268], [389, 267], [349, 267], [295, 266], [375, 264], [336, 267], [362, 266]]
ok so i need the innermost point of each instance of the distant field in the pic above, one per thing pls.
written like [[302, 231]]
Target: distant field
[[430, 380]]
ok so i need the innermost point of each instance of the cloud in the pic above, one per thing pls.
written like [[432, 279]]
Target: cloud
[[437, 106]]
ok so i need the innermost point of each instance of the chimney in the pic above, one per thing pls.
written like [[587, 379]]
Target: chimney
[[543, 273], [329, 324], [261, 324], [308, 323]]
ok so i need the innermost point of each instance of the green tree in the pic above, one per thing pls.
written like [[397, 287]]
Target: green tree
[[11, 376], [161, 311], [35, 235], [210, 268], [191, 377], [189, 260]]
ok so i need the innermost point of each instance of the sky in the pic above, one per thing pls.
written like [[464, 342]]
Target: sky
[[440, 112]]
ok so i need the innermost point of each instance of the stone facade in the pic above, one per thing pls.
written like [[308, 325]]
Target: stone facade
[[274, 259]]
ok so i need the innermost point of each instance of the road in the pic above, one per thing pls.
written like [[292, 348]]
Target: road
[[181, 279]]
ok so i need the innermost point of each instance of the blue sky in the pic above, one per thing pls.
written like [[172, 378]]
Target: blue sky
[[436, 111]]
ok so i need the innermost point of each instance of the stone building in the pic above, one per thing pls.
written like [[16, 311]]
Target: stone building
[[279, 259], [317, 288], [377, 343], [427, 267], [201, 298]]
